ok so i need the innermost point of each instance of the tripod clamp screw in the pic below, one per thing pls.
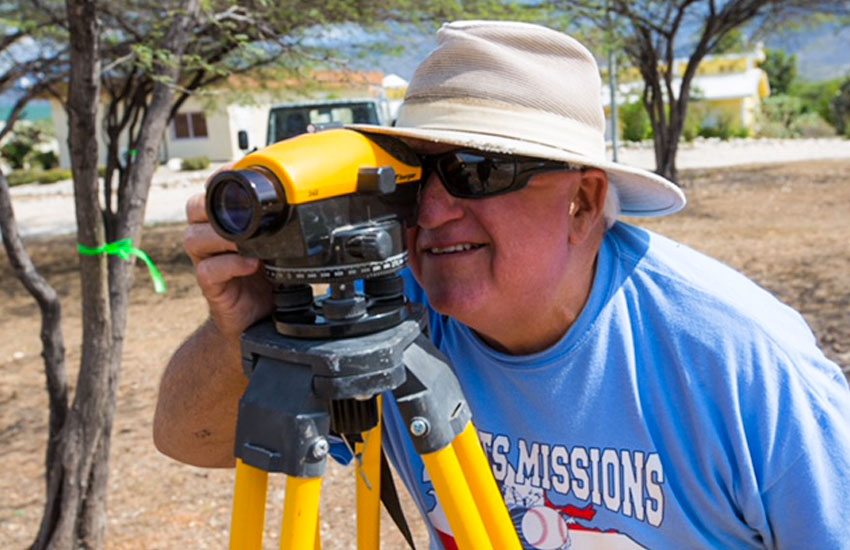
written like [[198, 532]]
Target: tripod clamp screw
[[320, 448], [419, 426]]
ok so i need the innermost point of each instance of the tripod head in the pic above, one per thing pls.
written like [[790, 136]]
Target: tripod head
[[329, 207]]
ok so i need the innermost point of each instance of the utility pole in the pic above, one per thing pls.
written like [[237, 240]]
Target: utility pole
[[612, 83]]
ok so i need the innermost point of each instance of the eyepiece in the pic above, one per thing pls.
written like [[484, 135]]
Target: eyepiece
[[240, 203]]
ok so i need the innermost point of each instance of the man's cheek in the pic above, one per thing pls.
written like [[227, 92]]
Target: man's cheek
[[413, 256], [410, 237]]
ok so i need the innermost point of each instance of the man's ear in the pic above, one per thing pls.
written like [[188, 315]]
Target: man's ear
[[588, 204]]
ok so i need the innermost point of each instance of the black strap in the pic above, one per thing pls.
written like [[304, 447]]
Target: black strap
[[389, 497]]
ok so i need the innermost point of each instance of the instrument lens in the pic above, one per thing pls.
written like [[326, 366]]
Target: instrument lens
[[235, 207]]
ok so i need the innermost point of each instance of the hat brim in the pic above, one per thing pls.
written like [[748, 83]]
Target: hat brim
[[641, 193]]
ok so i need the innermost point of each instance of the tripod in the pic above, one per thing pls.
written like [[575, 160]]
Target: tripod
[[301, 389]]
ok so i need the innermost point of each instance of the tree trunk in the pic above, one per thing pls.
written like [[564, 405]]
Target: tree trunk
[[72, 496], [667, 119], [665, 159], [52, 342]]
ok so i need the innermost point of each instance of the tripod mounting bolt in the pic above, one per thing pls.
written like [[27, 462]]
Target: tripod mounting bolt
[[419, 426], [320, 448]]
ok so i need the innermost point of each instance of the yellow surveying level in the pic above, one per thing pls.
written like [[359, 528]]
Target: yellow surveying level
[[331, 208]]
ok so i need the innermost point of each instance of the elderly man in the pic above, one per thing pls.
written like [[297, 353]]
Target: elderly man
[[629, 392]]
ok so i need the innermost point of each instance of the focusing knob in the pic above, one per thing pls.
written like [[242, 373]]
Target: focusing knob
[[372, 246], [376, 181]]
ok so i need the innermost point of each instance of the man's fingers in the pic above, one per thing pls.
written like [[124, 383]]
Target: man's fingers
[[222, 168], [201, 241], [215, 272], [196, 208]]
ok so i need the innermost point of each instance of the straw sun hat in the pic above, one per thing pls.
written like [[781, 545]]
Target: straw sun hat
[[521, 89]]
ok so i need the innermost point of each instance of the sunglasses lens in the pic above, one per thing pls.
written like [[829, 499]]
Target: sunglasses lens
[[470, 175]]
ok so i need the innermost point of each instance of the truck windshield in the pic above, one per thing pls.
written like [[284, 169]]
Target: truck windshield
[[288, 121]]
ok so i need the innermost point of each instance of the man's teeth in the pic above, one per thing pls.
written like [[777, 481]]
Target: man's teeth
[[452, 248]]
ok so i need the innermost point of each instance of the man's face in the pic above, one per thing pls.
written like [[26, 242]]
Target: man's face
[[500, 259]]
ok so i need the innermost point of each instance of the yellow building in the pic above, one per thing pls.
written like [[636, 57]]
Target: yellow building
[[726, 88]]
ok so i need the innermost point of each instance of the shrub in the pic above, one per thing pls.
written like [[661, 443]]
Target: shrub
[[47, 159], [22, 145], [634, 122], [21, 177], [52, 176], [195, 163], [16, 152], [781, 70], [784, 116], [697, 112], [740, 132], [777, 130], [811, 125], [721, 126], [818, 97], [778, 114], [841, 109]]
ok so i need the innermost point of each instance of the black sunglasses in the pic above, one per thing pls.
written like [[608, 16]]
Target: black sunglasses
[[472, 174]]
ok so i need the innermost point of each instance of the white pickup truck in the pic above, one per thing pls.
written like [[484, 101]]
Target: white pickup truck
[[291, 119]]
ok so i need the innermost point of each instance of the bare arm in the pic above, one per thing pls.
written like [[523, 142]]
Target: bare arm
[[195, 419], [199, 393]]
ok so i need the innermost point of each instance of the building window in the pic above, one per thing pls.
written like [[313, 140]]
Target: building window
[[190, 125]]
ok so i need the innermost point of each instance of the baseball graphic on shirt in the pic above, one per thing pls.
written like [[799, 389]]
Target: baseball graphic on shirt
[[545, 529]]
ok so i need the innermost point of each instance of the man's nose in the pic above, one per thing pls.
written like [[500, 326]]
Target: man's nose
[[436, 205]]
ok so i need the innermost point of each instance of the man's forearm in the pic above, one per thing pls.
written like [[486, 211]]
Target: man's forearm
[[198, 401]]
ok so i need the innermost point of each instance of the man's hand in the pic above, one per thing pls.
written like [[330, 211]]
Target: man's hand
[[237, 293]]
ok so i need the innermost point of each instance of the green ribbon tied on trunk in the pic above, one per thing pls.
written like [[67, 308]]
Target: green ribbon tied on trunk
[[125, 250]]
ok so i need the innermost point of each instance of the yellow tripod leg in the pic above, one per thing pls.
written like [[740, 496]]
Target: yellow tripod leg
[[456, 498], [249, 508], [369, 496], [300, 513], [318, 545], [477, 472]]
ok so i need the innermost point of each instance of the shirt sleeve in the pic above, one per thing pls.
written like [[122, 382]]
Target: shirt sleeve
[[806, 503]]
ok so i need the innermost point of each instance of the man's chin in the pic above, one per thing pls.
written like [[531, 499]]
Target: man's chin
[[458, 303]]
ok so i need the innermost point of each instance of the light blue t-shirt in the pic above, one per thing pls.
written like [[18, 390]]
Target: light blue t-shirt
[[686, 408]]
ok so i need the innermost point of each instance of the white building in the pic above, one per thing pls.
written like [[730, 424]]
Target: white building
[[207, 127]]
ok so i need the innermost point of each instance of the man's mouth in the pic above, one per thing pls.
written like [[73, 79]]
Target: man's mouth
[[452, 249]]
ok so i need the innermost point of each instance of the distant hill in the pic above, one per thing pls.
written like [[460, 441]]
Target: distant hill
[[822, 53]]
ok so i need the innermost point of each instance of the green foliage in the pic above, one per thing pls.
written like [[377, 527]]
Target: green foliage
[[841, 109], [52, 176], [811, 125], [721, 126], [817, 97], [781, 70], [195, 163], [733, 41], [46, 159], [21, 147], [16, 152], [21, 177], [693, 120], [787, 116], [777, 115], [634, 122]]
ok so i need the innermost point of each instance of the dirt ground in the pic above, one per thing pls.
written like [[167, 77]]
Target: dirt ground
[[786, 226]]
